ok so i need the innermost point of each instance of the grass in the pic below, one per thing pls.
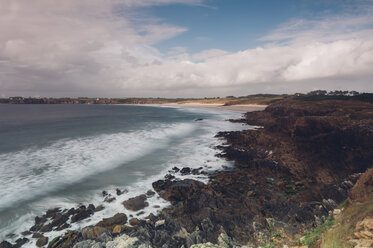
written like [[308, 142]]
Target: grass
[[345, 225], [312, 236]]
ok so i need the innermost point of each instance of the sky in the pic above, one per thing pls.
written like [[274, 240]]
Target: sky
[[184, 48]]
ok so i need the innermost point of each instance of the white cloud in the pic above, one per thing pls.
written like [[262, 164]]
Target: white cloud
[[102, 48]]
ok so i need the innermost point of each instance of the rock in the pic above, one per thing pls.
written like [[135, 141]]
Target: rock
[[121, 228], [175, 169], [109, 199], [185, 171], [88, 244], [59, 220], [336, 212], [26, 233], [117, 219], [81, 213], [92, 232], [169, 177], [21, 241], [37, 235], [41, 241], [91, 207], [121, 241], [99, 208], [104, 237], [134, 221], [104, 193], [150, 193], [118, 191], [6, 244], [136, 203], [52, 212], [69, 239], [159, 223]]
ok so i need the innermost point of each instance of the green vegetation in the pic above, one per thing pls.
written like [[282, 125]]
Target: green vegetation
[[56, 239], [345, 225], [312, 236]]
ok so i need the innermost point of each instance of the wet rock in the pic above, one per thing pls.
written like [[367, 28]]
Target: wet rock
[[10, 235], [6, 244], [197, 171], [140, 213], [99, 208], [104, 193], [117, 219], [169, 177], [176, 191], [26, 233], [63, 226], [175, 169], [136, 203], [198, 119], [21, 241], [52, 212], [91, 207], [37, 235], [185, 171], [118, 191], [109, 199], [46, 228], [150, 193], [41, 241], [59, 220], [81, 213]]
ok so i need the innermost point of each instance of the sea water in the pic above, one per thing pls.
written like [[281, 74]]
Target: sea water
[[66, 155]]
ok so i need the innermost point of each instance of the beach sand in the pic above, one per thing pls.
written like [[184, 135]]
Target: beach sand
[[239, 108]]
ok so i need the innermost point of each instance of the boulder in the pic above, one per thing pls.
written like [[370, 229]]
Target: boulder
[[41, 241], [92, 232], [117, 219], [136, 203]]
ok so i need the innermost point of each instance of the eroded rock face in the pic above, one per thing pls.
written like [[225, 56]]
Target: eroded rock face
[[136, 203]]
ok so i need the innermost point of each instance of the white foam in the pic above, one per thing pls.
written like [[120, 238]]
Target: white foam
[[194, 151], [34, 172]]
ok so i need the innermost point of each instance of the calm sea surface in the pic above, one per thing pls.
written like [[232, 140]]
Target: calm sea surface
[[65, 155]]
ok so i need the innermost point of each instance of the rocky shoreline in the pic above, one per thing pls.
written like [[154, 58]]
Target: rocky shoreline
[[289, 173]]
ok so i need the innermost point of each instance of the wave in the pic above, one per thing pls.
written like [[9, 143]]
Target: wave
[[34, 172]]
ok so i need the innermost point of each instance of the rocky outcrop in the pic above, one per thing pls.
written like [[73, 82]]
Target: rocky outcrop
[[136, 203]]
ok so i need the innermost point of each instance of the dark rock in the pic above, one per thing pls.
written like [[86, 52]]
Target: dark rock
[[175, 169], [41, 241], [52, 212], [119, 192], [6, 244], [10, 235], [46, 228], [199, 119], [20, 242], [81, 213], [140, 213], [37, 235], [150, 193], [118, 219], [26, 233], [109, 199], [169, 177], [99, 208], [91, 207], [185, 171], [104, 193], [136, 203], [59, 220]]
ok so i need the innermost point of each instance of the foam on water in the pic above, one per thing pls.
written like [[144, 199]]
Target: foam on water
[[69, 161], [33, 172]]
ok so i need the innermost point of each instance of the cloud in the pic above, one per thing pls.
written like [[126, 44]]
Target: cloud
[[105, 48]]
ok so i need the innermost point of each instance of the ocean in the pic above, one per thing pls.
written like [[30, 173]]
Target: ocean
[[66, 155]]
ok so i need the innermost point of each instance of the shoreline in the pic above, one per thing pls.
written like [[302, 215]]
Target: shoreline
[[277, 191], [242, 108]]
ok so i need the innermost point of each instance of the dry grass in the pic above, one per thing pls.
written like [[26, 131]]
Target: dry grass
[[342, 231]]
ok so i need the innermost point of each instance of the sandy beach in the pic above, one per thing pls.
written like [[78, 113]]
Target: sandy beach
[[239, 108]]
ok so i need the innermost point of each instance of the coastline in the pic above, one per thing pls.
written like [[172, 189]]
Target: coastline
[[242, 108], [267, 174]]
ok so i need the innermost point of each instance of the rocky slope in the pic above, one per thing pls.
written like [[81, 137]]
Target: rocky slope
[[299, 164]]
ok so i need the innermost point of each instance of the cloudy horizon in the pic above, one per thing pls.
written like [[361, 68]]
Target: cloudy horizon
[[183, 48]]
